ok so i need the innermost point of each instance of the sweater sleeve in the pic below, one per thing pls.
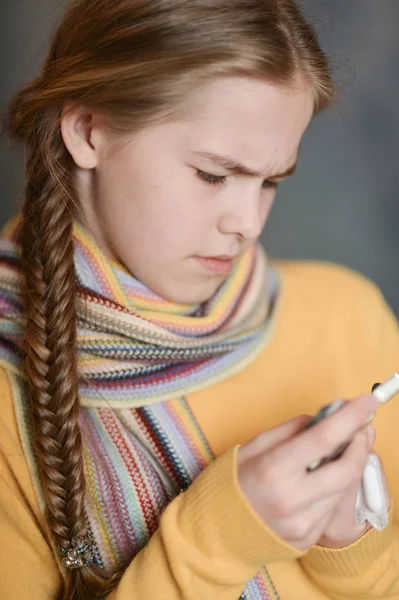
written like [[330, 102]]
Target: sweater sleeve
[[209, 542], [369, 568]]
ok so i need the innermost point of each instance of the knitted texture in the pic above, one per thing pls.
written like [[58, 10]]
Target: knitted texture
[[138, 357]]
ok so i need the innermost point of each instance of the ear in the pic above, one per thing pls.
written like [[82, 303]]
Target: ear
[[77, 133]]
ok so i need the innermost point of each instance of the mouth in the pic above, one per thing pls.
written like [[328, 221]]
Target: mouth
[[221, 265]]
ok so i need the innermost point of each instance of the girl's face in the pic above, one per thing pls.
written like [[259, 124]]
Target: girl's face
[[165, 203]]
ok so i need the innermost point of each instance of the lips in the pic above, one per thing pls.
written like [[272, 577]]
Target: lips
[[221, 265], [223, 257]]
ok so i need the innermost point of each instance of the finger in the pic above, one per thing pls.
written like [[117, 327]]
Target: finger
[[342, 474], [330, 433], [332, 480], [272, 437], [372, 434]]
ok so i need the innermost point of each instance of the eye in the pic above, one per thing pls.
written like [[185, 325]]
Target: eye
[[211, 179], [216, 179]]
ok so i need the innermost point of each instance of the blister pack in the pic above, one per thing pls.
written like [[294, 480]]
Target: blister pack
[[370, 503]]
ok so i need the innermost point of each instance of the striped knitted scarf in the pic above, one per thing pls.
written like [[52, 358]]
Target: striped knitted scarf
[[138, 357]]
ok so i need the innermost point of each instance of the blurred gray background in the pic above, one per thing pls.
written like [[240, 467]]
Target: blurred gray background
[[342, 206]]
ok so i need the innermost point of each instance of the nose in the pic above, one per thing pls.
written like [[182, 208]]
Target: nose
[[246, 215]]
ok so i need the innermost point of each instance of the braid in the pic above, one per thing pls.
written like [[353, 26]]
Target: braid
[[47, 261], [51, 358]]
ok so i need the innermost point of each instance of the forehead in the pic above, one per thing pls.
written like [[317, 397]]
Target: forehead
[[250, 119]]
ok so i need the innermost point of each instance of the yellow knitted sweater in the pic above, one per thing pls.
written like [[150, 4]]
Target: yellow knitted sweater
[[334, 337]]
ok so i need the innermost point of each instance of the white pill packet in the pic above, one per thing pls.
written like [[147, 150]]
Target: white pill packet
[[370, 502]]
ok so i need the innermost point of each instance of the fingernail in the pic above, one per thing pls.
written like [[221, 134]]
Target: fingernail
[[369, 419]]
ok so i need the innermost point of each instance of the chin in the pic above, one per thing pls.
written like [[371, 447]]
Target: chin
[[194, 294]]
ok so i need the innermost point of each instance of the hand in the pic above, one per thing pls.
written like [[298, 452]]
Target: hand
[[297, 505], [343, 530]]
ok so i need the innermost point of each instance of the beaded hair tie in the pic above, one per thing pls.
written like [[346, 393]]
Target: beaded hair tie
[[79, 552]]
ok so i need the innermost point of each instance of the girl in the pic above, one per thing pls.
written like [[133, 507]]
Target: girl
[[155, 363]]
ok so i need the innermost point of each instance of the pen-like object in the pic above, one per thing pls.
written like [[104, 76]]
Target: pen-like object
[[384, 392]]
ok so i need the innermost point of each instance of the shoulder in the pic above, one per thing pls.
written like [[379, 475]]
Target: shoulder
[[330, 291], [22, 520], [6, 399], [10, 444], [337, 314], [329, 282], [14, 426], [15, 441]]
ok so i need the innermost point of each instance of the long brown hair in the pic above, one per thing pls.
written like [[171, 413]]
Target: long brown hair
[[135, 61]]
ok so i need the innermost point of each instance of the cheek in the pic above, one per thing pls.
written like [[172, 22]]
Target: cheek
[[160, 211], [153, 226]]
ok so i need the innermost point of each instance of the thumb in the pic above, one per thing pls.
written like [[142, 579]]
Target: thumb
[[272, 437]]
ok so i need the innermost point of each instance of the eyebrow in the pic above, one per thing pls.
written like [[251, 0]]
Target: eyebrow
[[234, 166]]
